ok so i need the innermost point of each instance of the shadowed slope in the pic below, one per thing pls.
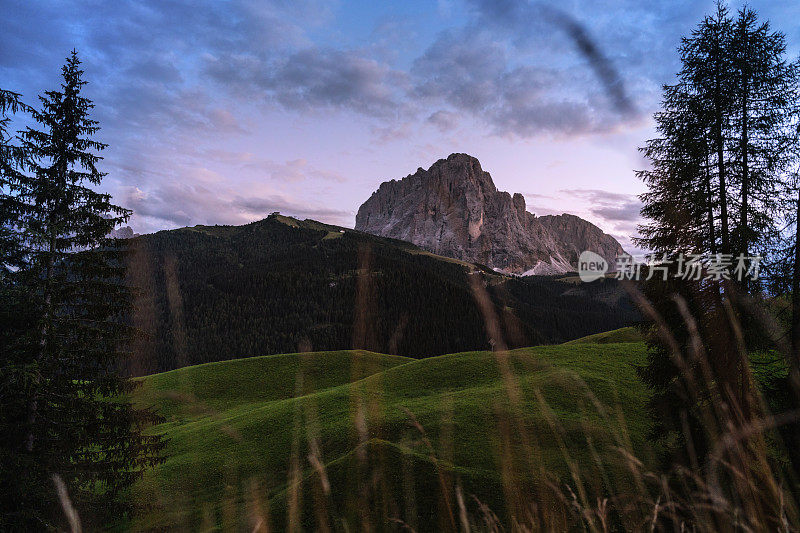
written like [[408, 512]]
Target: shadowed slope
[[281, 284]]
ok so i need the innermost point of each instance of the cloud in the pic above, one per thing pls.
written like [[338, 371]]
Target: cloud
[[314, 78], [145, 107], [627, 212], [167, 65], [616, 213], [468, 71], [524, 68], [443, 120], [320, 77], [539, 210], [264, 169], [264, 205], [291, 171], [540, 19], [616, 208], [598, 196], [476, 74], [179, 82], [158, 67], [625, 34], [463, 72], [538, 196], [143, 59], [179, 204], [184, 203]]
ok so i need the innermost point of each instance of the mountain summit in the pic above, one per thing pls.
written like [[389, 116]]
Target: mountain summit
[[454, 209]]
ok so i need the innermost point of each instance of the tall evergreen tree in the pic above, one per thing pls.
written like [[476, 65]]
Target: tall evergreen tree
[[17, 344], [683, 206], [77, 421], [11, 157], [762, 139], [783, 279], [706, 71], [680, 200], [717, 180], [689, 196]]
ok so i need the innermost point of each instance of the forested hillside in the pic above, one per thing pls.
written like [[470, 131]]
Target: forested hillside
[[280, 285]]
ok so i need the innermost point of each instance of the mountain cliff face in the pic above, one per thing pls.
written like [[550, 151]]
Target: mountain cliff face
[[454, 209]]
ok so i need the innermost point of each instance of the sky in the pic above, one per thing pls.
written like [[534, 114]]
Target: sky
[[223, 111]]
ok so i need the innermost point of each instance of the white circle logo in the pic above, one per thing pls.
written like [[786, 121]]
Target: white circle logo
[[591, 266]]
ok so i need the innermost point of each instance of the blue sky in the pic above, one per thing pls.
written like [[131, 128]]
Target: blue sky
[[224, 111]]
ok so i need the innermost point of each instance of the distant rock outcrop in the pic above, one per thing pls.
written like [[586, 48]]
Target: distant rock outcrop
[[124, 232], [454, 209]]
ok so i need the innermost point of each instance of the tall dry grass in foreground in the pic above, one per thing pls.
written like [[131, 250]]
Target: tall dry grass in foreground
[[744, 485], [414, 483]]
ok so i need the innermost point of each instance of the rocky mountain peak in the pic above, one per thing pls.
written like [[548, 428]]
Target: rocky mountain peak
[[124, 232], [454, 209], [458, 171]]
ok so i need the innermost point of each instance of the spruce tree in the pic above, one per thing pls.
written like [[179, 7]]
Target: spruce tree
[[78, 423], [11, 157], [18, 311], [681, 205], [707, 73], [680, 200], [718, 179], [762, 143]]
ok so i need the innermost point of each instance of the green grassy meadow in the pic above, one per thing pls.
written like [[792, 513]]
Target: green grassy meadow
[[629, 334], [338, 439]]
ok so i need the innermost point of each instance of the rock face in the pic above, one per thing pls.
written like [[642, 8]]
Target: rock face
[[124, 232], [454, 209]]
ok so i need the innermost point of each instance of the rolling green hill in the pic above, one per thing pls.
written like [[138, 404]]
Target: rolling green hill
[[629, 334], [235, 429], [281, 285]]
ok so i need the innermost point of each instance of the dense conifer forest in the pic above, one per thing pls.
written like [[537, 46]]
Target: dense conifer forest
[[281, 285]]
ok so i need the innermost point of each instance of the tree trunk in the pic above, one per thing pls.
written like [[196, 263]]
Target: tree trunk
[[794, 356], [745, 141], [720, 149], [712, 238], [795, 359], [33, 404]]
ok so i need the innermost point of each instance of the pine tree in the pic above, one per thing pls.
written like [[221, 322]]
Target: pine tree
[[680, 200], [681, 204], [783, 278], [19, 494], [689, 198], [706, 71], [78, 423], [762, 140], [11, 157], [717, 182]]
